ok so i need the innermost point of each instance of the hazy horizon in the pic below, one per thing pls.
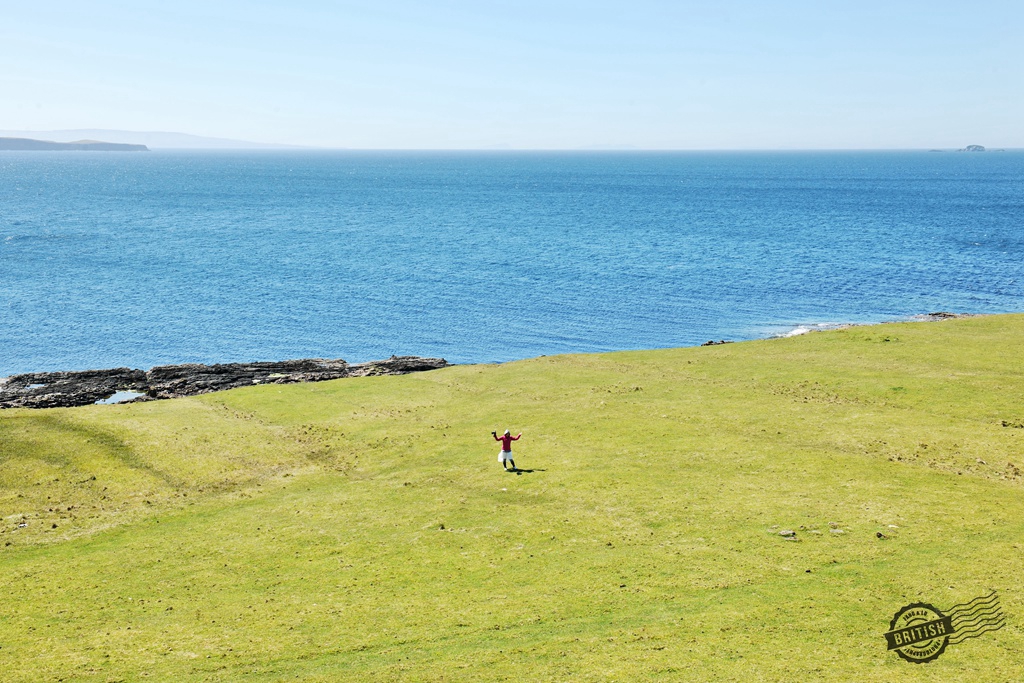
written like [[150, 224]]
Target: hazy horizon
[[226, 144], [533, 76]]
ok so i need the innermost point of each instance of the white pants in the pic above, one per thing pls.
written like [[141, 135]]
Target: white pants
[[504, 455]]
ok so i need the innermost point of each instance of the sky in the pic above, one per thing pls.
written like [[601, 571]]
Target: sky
[[558, 74]]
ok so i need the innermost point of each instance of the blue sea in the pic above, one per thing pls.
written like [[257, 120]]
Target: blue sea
[[141, 259]]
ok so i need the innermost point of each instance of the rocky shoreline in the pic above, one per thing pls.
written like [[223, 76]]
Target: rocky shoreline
[[69, 389]]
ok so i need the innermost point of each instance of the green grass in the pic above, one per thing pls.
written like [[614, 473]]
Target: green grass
[[363, 528]]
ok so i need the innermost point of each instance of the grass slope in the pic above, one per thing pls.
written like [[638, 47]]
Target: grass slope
[[363, 529]]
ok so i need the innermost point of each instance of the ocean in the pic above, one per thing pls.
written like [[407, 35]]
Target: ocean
[[142, 259]]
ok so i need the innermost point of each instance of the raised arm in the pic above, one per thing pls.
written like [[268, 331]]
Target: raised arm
[[496, 437], [516, 438]]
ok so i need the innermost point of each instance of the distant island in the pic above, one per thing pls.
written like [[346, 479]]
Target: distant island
[[28, 144], [155, 140], [972, 148]]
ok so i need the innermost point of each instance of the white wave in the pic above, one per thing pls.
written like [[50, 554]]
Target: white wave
[[812, 327]]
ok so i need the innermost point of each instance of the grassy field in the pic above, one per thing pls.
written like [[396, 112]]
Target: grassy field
[[363, 528]]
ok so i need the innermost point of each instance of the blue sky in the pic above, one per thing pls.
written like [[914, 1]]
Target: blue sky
[[523, 75]]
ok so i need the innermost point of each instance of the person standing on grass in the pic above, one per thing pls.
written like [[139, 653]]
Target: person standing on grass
[[506, 449]]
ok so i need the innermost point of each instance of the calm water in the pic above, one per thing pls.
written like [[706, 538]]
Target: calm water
[[144, 259]]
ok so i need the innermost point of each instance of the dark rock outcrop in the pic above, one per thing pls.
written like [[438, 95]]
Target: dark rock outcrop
[[172, 381], [57, 389], [67, 389], [942, 315], [396, 365]]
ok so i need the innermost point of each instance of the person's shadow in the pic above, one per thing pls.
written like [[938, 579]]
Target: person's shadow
[[521, 472]]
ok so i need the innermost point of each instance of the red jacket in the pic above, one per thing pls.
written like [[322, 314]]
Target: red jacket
[[506, 441]]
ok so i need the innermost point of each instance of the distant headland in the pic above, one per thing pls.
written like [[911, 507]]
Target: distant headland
[[154, 140], [31, 145]]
